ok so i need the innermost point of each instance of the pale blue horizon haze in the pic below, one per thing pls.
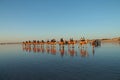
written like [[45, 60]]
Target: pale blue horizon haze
[[46, 19]]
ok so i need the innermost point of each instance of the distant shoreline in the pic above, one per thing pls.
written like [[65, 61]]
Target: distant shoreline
[[109, 41], [10, 43], [104, 40]]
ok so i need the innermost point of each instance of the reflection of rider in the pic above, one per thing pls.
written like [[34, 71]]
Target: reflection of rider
[[27, 48], [23, 47], [61, 51], [42, 49], [71, 51], [34, 49], [53, 50], [38, 49], [83, 52], [93, 51], [47, 49]]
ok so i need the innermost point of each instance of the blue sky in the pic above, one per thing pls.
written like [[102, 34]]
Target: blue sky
[[46, 19]]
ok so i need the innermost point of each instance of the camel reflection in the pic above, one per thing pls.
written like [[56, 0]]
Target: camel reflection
[[48, 49], [62, 51], [27, 48], [34, 49], [42, 49], [95, 44], [38, 49], [71, 51], [83, 52], [93, 51], [53, 50]]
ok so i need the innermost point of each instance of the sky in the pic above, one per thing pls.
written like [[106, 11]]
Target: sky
[[22, 20]]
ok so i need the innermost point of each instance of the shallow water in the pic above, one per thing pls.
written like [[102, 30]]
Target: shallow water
[[18, 62]]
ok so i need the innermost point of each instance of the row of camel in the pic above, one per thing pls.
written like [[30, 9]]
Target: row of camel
[[62, 42], [54, 42]]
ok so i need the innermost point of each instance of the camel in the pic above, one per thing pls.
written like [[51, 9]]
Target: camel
[[34, 42], [83, 42], [61, 42], [48, 42], [42, 42], [53, 42], [29, 42], [38, 42], [71, 42], [24, 43], [96, 43]]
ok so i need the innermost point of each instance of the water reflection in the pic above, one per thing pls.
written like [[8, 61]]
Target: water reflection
[[48, 49], [55, 60], [83, 52], [53, 50], [27, 48], [93, 51], [56, 49], [71, 51], [62, 51]]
